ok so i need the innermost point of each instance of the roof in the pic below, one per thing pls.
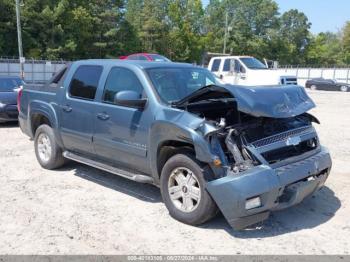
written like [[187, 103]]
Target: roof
[[138, 63], [232, 56], [144, 54]]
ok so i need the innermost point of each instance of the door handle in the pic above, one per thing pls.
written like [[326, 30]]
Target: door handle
[[102, 116], [67, 108]]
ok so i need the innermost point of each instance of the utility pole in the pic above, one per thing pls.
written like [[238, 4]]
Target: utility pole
[[19, 37], [226, 22]]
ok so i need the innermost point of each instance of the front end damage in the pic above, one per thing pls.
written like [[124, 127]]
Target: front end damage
[[271, 174], [266, 160]]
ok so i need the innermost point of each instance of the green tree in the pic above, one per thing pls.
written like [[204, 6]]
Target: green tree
[[154, 29], [186, 40], [325, 50], [249, 21], [346, 42], [294, 30], [70, 29], [8, 36]]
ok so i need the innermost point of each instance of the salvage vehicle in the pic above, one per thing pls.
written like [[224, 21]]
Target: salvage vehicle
[[327, 85], [245, 150], [9, 87], [247, 71]]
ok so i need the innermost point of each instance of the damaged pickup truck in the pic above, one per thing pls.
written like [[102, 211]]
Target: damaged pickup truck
[[245, 151]]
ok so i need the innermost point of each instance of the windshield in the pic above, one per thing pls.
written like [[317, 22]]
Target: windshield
[[173, 84], [159, 58], [252, 63]]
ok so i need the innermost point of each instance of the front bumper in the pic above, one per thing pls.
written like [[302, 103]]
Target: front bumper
[[277, 188], [8, 113]]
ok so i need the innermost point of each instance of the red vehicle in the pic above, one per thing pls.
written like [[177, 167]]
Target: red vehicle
[[146, 57]]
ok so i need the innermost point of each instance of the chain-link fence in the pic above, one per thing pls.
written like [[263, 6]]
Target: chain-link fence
[[304, 73], [39, 71], [35, 71]]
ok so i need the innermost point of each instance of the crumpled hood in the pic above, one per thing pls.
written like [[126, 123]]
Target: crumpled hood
[[260, 101], [272, 101]]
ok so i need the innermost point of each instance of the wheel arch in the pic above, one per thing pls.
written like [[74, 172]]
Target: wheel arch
[[170, 148], [37, 119], [168, 138], [43, 113]]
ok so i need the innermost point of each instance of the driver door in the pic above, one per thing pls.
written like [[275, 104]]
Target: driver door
[[120, 132]]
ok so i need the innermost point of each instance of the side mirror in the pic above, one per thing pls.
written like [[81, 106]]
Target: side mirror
[[130, 99], [242, 69]]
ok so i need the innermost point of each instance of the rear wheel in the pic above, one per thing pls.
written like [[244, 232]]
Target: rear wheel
[[313, 87], [48, 153], [183, 181]]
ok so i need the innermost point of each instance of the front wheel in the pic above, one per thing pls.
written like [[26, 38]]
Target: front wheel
[[183, 181], [48, 153], [344, 88], [313, 87]]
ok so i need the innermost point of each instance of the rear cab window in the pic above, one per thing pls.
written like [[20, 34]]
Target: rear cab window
[[85, 81]]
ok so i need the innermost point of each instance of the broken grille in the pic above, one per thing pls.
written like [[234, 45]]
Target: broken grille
[[280, 137]]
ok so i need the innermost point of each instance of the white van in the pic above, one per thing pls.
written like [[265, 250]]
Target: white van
[[247, 71]]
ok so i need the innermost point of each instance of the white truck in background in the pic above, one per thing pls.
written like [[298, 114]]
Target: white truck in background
[[247, 71]]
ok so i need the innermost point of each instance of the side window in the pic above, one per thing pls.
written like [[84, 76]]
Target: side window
[[7, 85], [133, 57], [85, 81], [120, 79], [227, 65], [238, 67], [216, 65], [57, 77], [142, 57]]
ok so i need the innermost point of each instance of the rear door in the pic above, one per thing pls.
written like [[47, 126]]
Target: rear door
[[121, 132], [77, 109], [227, 71]]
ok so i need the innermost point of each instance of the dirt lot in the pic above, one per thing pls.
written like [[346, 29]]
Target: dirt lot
[[80, 210]]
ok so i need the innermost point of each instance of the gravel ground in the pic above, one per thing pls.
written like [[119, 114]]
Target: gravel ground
[[81, 210]]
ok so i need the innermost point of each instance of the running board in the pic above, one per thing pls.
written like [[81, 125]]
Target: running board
[[120, 172]]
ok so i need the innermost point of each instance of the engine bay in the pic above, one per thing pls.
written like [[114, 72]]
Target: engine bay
[[239, 132]]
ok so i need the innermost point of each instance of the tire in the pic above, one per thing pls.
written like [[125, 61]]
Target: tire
[[48, 153], [313, 87], [198, 174], [344, 88]]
